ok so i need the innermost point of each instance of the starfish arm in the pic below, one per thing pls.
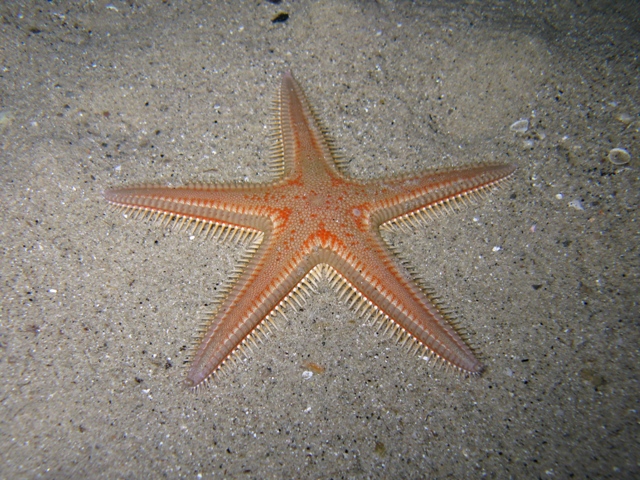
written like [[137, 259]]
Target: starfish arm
[[297, 133], [235, 206], [405, 196], [379, 278], [255, 296]]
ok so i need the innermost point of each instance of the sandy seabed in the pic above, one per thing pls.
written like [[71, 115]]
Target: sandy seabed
[[98, 310]]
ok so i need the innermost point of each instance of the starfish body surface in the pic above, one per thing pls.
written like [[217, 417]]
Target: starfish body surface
[[314, 221]]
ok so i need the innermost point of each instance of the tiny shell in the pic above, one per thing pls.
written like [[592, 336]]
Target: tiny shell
[[521, 126], [619, 156], [624, 118]]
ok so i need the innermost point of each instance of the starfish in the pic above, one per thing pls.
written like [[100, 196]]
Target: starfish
[[312, 222]]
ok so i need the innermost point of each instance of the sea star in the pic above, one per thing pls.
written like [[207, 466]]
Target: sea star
[[313, 221]]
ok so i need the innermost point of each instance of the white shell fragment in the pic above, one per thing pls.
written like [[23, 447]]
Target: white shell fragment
[[625, 118], [619, 156], [521, 126], [577, 204]]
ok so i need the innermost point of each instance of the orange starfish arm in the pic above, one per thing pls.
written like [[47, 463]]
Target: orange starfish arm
[[395, 198]]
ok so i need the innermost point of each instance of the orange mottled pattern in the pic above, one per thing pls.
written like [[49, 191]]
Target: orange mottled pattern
[[313, 221]]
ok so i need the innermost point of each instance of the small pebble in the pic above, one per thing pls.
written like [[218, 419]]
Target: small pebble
[[280, 18], [6, 117]]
